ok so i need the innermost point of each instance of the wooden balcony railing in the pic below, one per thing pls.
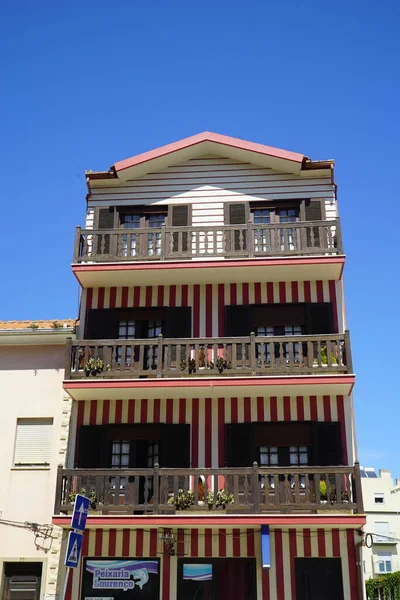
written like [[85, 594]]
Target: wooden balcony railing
[[222, 241], [253, 489], [165, 357]]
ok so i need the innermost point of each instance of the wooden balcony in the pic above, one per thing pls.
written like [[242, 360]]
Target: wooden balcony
[[236, 490], [208, 357], [306, 238]]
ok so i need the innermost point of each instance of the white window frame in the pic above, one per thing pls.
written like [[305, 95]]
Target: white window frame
[[33, 443], [384, 558]]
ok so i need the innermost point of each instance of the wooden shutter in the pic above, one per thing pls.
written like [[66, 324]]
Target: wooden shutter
[[105, 220], [175, 447], [94, 447], [237, 321], [33, 442], [236, 214], [314, 211], [101, 324], [319, 318], [178, 322], [326, 444], [240, 446], [180, 216]]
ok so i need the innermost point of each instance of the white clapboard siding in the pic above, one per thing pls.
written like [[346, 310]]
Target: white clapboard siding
[[208, 182], [33, 442]]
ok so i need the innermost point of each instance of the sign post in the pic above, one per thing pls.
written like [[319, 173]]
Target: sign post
[[75, 538]]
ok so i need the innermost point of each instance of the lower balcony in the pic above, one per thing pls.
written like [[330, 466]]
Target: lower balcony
[[242, 490], [179, 358]]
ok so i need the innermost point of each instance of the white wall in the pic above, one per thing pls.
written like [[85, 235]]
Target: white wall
[[31, 386], [208, 182]]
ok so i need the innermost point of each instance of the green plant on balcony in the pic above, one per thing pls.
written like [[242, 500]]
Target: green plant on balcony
[[95, 366], [324, 358], [92, 497], [189, 364], [323, 493], [384, 586], [184, 500], [223, 498], [221, 364]]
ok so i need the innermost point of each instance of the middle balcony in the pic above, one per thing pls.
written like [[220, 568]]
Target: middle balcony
[[233, 356]]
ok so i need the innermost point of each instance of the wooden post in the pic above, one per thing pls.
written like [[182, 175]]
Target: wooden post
[[339, 242], [156, 488], [358, 488], [160, 355], [68, 358], [77, 244], [347, 348], [57, 501], [163, 242], [256, 488], [253, 357], [250, 240]]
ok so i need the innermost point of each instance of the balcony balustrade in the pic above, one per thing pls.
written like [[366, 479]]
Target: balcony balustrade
[[247, 356], [238, 490], [202, 242]]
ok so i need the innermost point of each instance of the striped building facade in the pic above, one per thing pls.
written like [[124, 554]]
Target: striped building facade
[[285, 551]]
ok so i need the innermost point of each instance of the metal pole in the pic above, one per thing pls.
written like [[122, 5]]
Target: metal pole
[[65, 584]]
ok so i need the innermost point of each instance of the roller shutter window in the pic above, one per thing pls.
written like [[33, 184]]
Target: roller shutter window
[[105, 220], [236, 214], [180, 217], [33, 442], [314, 212]]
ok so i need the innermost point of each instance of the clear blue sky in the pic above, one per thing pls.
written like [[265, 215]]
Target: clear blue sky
[[87, 83]]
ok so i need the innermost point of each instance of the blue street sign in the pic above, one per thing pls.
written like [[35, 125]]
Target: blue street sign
[[79, 516], [74, 547], [265, 547]]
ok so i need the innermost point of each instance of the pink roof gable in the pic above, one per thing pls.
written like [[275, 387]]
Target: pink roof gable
[[208, 136]]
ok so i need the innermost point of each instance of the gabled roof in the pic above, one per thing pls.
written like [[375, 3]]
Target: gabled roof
[[202, 144], [212, 138]]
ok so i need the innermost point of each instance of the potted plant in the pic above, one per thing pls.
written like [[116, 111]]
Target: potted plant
[[95, 366], [324, 358], [223, 498], [92, 497], [189, 364], [221, 364]]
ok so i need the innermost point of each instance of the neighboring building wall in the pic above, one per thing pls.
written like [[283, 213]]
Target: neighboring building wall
[[386, 512], [31, 386], [208, 301]]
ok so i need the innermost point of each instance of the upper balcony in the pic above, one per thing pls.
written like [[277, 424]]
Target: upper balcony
[[314, 245]]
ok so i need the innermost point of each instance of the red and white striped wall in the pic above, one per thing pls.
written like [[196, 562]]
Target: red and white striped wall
[[276, 583], [208, 417], [208, 301]]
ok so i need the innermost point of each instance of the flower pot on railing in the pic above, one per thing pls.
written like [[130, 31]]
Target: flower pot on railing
[[95, 366]]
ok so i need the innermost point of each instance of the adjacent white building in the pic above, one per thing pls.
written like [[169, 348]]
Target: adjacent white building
[[34, 423], [381, 495]]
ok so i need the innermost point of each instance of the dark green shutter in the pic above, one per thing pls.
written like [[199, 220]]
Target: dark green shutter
[[237, 321], [313, 212], [94, 449], [240, 445], [319, 318], [236, 215], [178, 322], [326, 444], [180, 218], [101, 324], [105, 220], [175, 446]]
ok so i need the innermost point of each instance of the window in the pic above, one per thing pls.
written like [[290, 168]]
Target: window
[[281, 349], [379, 498], [384, 562], [148, 244], [382, 532], [22, 581], [33, 443], [120, 453]]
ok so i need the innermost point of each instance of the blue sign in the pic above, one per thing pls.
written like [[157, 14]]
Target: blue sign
[[265, 547], [74, 548], [79, 516]]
